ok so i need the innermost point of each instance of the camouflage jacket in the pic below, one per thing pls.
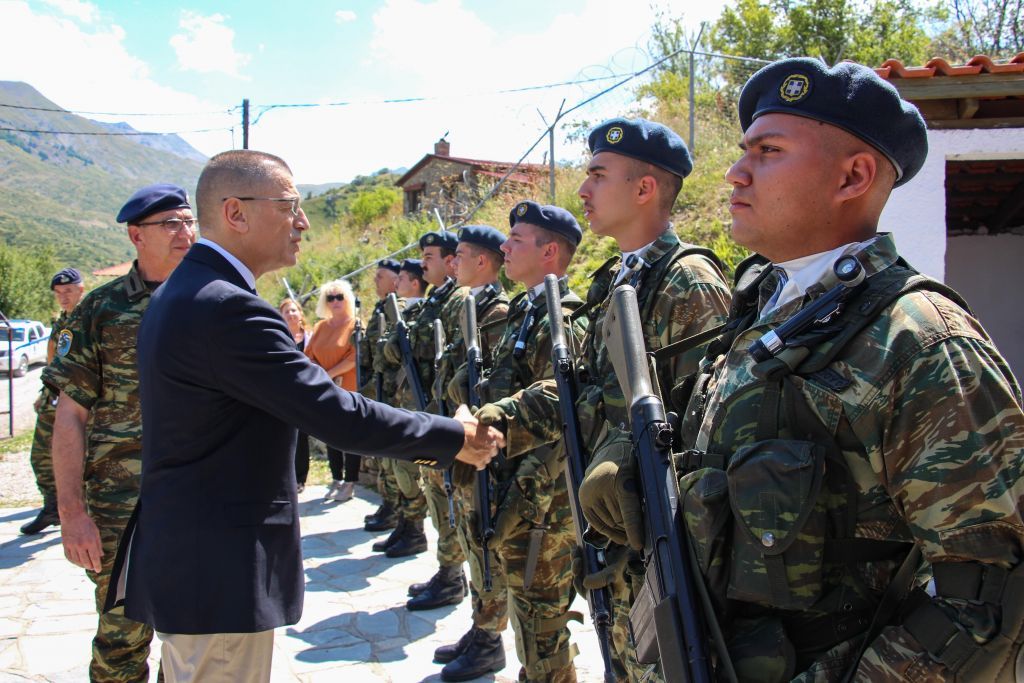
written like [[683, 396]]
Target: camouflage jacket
[[413, 314], [95, 363], [58, 323], [369, 349], [913, 435], [691, 297], [491, 310]]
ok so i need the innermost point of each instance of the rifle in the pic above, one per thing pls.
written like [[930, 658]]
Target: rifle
[[378, 377], [474, 367], [599, 600], [449, 487], [408, 362], [666, 620], [357, 339]]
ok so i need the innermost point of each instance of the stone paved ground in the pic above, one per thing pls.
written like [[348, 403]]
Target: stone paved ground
[[354, 625]]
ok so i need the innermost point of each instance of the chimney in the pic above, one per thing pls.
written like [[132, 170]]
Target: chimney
[[442, 148]]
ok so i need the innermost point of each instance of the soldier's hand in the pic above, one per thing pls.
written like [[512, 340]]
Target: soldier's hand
[[81, 541], [458, 387], [392, 352], [491, 415], [609, 497], [611, 576], [481, 443]]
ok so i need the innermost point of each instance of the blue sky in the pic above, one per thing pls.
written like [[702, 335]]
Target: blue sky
[[162, 57]]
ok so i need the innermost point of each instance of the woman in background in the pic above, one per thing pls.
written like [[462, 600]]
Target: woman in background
[[296, 319], [331, 348]]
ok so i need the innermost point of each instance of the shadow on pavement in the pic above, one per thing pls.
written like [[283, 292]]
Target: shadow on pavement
[[24, 514], [21, 549], [349, 573]]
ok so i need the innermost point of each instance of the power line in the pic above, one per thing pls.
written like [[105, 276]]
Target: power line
[[111, 133], [115, 113]]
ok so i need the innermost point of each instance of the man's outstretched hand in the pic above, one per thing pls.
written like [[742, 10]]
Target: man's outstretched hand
[[482, 442]]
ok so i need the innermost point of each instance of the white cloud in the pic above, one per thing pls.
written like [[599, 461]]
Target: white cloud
[[83, 11], [344, 16], [207, 45]]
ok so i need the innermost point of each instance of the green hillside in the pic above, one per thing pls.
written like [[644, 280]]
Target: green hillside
[[64, 190]]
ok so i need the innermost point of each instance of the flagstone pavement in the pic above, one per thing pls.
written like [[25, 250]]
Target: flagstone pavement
[[354, 624]]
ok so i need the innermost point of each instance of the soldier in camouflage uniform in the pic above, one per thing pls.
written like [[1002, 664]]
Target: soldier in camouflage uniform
[[67, 288], [477, 264], [531, 549], [845, 453], [408, 537], [385, 281], [632, 181], [98, 430]]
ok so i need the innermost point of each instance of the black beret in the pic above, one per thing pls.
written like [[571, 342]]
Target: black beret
[[644, 140], [414, 266], [389, 264], [68, 276], [553, 218], [153, 199], [483, 236], [849, 96], [445, 239]]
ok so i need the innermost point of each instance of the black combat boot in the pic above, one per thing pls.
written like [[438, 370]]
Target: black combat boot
[[47, 517], [447, 653], [385, 518], [411, 542], [446, 588], [418, 588], [393, 537], [485, 654]]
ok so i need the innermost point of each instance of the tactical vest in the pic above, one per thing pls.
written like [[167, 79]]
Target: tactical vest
[[770, 502]]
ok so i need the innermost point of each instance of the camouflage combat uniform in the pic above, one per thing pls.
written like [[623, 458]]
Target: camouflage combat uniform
[[532, 496], [41, 456], [490, 608], [373, 362], [97, 369], [691, 296], [911, 434]]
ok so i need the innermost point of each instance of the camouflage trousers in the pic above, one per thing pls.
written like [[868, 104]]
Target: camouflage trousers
[[41, 455], [120, 648], [449, 549], [387, 485], [412, 504], [490, 608]]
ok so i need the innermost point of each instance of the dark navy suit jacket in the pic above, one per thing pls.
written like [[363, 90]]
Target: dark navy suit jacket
[[214, 542]]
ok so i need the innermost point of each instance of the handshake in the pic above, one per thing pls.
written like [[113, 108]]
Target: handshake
[[481, 441]]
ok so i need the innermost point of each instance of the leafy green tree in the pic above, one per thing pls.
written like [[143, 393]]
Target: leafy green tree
[[25, 282], [370, 205], [990, 27]]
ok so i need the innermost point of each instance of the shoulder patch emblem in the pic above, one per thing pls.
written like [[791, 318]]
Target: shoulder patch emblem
[[795, 88], [64, 342], [614, 135]]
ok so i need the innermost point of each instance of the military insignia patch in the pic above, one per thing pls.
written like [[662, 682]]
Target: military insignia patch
[[63, 342], [794, 88], [430, 239], [521, 210], [614, 135]]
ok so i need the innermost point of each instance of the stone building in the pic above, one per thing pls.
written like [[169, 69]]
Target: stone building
[[453, 185]]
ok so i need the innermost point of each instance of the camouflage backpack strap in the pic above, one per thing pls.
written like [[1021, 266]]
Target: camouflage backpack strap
[[598, 288], [653, 278]]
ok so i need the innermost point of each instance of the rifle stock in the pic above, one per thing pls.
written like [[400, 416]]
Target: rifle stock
[[439, 343], [565, 377], [408, 362], [668, 604], [474, 368]]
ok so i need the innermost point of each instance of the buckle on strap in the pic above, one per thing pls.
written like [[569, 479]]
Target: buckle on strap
[[691, 460], [970, 581], [944, 640]]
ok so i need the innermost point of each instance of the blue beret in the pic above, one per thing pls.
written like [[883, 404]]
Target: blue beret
[[414, 266], [68, 276], [390, 264], [643, 140], [553, 218], [849, 96], [446, 239], [483, 236], [153, 199]]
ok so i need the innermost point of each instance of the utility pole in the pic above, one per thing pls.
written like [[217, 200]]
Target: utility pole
[[245, 124], [551, 147], [693, 96]]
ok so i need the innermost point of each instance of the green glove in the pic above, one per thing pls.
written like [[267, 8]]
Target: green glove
[[525, 505], [458, 387], [608, 493], [492, 416], [392, 352], [612, 576]]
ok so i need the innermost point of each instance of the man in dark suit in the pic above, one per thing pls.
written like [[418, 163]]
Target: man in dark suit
[[213, 559]]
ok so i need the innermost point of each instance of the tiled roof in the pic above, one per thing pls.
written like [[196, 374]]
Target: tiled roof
[[894, 68], [479, 165]]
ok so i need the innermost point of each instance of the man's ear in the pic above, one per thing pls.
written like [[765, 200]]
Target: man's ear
[[646, 189], [233, 214], [135, 235], [860, 170]]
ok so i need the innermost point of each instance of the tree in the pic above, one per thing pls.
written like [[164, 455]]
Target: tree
[[370, 205], [990, 27], [25, 276]]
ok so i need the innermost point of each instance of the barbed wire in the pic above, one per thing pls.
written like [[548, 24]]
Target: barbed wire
[[109, 132]]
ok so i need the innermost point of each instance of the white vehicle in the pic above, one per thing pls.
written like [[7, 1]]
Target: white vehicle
[[27, 346]]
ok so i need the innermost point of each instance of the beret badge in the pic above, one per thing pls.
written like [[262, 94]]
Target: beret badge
[[614, 135], [521, 210], [430, 239], [794, 88]]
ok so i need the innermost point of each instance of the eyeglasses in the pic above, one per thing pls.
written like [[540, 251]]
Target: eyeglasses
[[174, 225], [294, 201], [335, 297]]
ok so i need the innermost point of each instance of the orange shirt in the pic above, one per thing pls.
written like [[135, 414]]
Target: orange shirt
[[330, 345]]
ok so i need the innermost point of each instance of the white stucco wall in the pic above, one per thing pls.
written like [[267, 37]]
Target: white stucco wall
[[916, 212]]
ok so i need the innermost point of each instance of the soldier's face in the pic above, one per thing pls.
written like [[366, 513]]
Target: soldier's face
[[435, 266], [781, 188], [385, 281], [163, 245], [468, 264], [68, 296], [408, 285], [609, 193], [523, 258]]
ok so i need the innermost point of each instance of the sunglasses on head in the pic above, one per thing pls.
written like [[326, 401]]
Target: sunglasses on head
[[335, 297]]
